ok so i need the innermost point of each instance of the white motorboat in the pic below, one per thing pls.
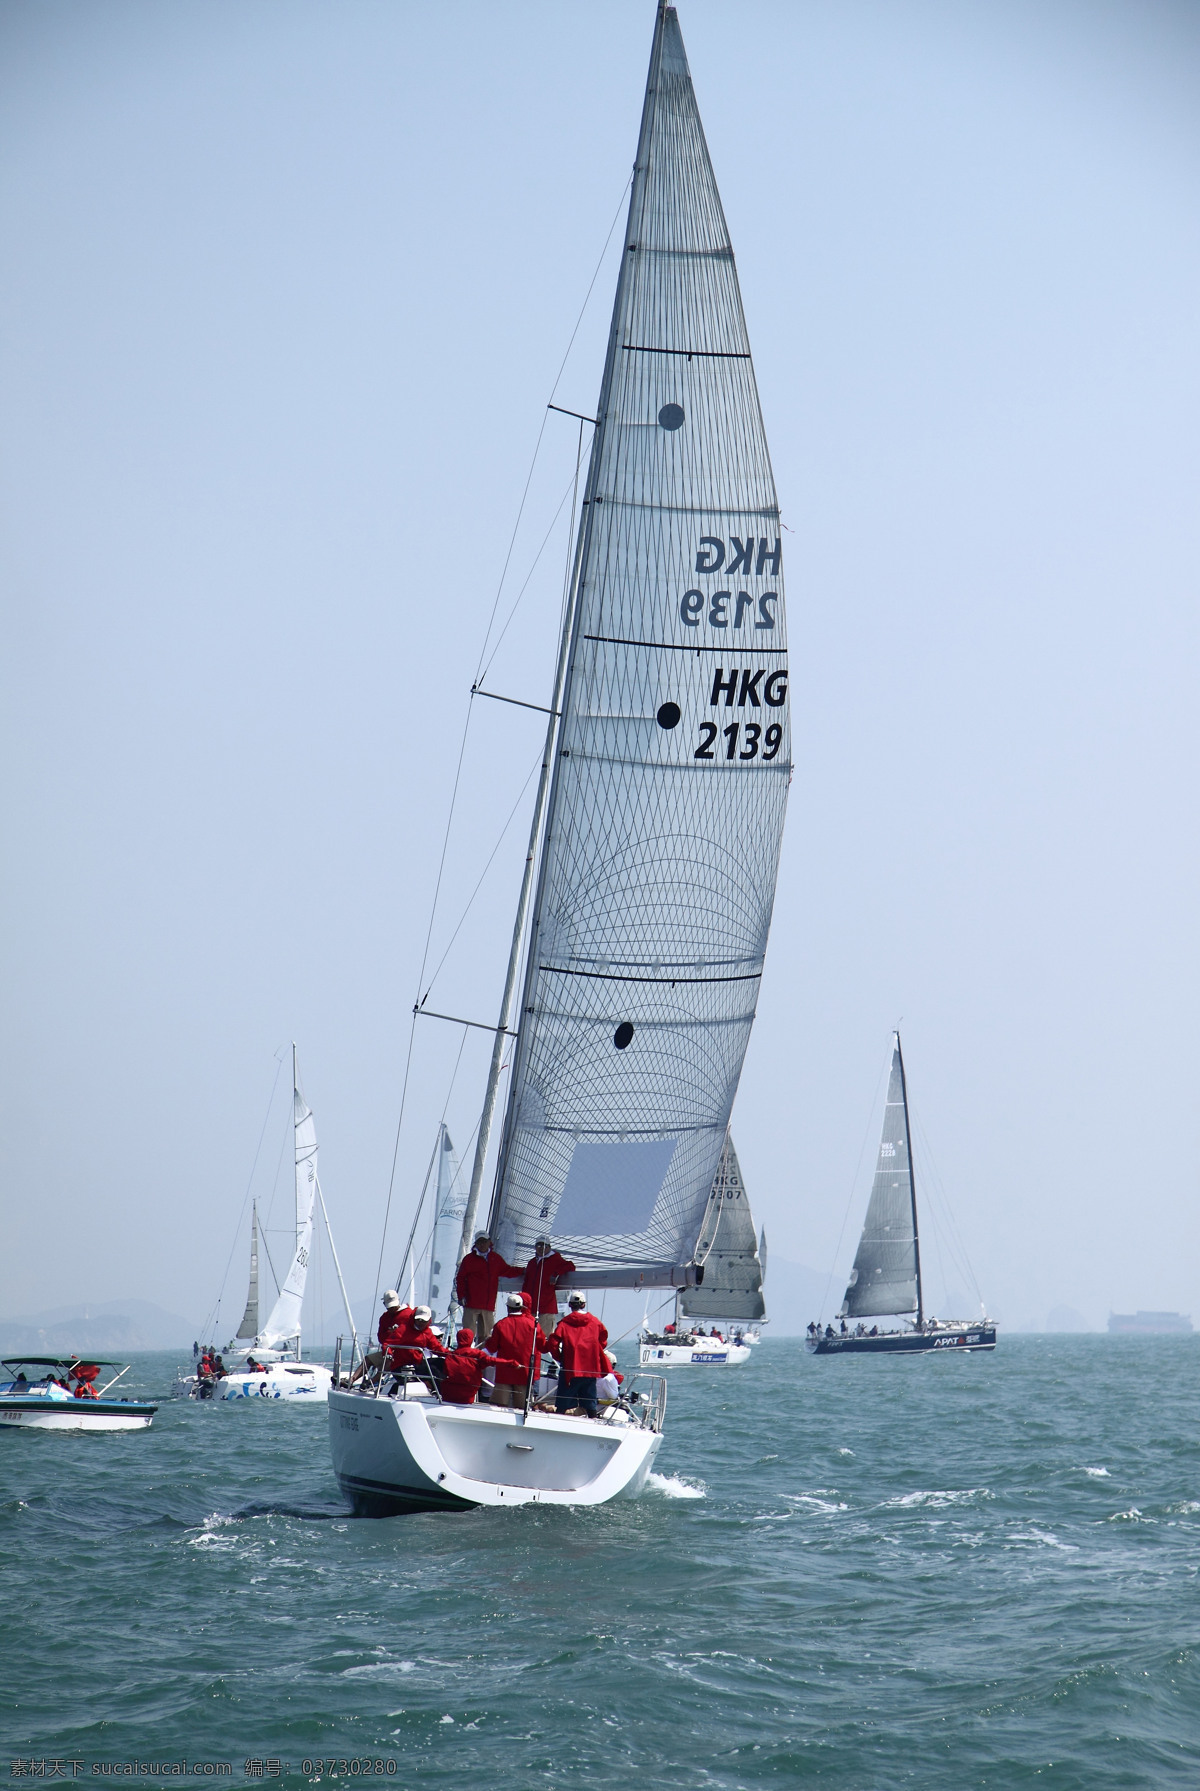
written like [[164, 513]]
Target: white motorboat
[[47, 1402], [650, 874], [263, 1361], [411, 1452]]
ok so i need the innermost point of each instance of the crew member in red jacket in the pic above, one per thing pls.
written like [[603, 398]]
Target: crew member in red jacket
[[464, 1370], [517, 1341], [408, 1340], [477, 1284], [578, 1345], [543, 1271], [85, 1373]]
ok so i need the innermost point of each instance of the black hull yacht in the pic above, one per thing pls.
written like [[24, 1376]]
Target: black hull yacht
[[885, 1281]]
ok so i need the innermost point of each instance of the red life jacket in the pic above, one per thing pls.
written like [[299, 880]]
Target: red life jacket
[[515, 1340], [542, 1276], [393, 1316], [579, 1344], [478, 1279], [464, 1374], [407, 1342]]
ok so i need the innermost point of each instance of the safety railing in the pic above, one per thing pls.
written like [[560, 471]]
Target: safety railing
[[645, 1397]]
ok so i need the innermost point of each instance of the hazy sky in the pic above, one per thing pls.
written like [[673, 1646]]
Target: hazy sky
[[288, 287]]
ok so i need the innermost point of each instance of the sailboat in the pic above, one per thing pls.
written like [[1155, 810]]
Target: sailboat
[[885, 1281], [646, 901], [731, 1290], [274, 1344]]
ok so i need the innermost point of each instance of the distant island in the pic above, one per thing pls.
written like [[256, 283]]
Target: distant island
[[1144, 1324]]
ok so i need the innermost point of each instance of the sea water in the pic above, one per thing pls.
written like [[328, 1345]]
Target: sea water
[[939, 1572]]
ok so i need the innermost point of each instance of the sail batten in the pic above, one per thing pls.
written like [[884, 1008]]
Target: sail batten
[[661, 842]]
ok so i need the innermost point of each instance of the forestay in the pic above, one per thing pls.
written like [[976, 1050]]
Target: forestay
[[884, 1276], [733, 1270], [283, 1324], [661, 847]]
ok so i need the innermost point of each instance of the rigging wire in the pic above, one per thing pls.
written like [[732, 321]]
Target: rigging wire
[[545, 418], [466, 729], [214, 1318], [483, 874], [853, 1188]]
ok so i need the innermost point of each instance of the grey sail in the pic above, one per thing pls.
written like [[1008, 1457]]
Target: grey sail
[[672, 761], [733, 1270], [249, 1324], [885, 1276]]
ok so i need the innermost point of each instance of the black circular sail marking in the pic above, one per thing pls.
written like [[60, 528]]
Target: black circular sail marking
[[671, 416], [623, 1036], [668, 715]]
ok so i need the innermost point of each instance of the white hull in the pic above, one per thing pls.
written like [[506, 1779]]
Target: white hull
[[393, 1455], [301, 1383], [706, 1352], [63, 1417]]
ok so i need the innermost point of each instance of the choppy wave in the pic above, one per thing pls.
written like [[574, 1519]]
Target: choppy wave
[[188, 1589], [674, 1486]]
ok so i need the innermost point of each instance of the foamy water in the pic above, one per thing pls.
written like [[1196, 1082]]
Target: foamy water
[[845, 1575]]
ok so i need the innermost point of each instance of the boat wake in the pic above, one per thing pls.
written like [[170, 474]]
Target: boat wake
[[672, 1487]]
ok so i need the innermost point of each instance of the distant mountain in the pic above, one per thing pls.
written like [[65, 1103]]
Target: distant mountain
[[110, 1325]]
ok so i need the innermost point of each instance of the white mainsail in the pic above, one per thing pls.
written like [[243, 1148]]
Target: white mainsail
[[450, 1202], [886, 1277], [672, 760], [733, 1270], [283, 1322]]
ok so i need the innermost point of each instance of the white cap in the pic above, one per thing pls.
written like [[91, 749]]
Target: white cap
[[422, 1312], [391, 1297], [515, 1303], [576, 1300]]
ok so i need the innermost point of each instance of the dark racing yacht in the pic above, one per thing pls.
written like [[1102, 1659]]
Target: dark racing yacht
[[885, 1281]]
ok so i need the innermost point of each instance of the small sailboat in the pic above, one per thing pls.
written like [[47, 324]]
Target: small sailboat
[[885, 1281], [646, 901], [731, 1293], [263, 1360], [46, 1399]]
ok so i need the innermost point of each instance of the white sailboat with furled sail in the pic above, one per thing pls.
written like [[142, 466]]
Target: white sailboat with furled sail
[[885, 1281], [730, 1297], [263, 1360], [644, 911]]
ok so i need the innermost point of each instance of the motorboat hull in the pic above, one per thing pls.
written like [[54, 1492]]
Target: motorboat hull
[[74, 1414], [414, 1453], [908, 1343], [300, 1383], [706, 1352]]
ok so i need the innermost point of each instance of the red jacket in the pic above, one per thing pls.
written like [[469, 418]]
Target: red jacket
[[514, 1341], [406, 1342], [464, 1375], [389, 1319], [478, 1280], [542, 1275], [579, 1344]]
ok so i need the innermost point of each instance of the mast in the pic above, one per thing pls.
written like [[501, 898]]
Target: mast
[[912, 1184], [547, 789], [296, 1175]]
